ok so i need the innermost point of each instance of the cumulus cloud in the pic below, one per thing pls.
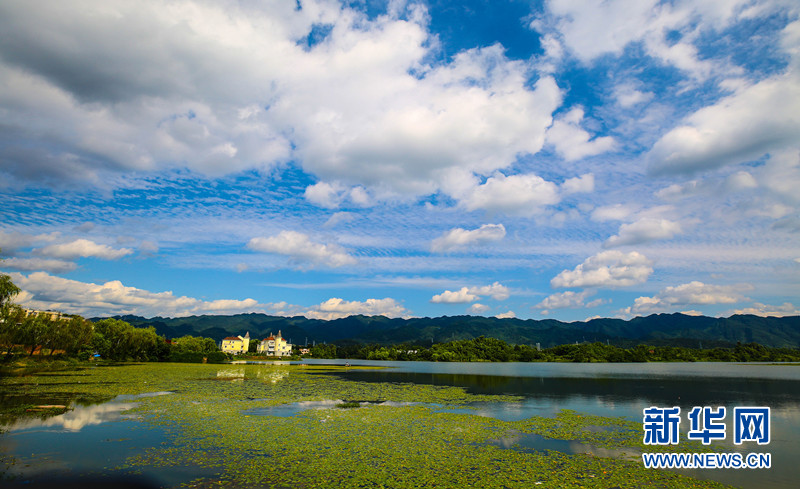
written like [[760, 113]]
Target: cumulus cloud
[[590, 30], [302, 250], [506, 315], [335, 308], [82, 248], [572, 142], [224, 88], [759, 309], [44, 291], [458, 297], [460, 238], [756, 119], [496, 291], [607, 269], [578, 185], [567, 300], [739, 128], [478, 308], [642, 231], [693, 293], [517, 194], [332, 195]]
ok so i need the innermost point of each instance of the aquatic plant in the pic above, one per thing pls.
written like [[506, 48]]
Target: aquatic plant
[[397, 439]]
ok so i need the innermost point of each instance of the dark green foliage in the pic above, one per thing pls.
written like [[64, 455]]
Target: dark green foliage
[[484, 349], [657, 329], [7, 289]]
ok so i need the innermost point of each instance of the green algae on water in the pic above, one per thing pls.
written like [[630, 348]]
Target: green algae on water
[[396, 438]]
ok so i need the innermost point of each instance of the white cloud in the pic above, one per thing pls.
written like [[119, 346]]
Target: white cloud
[[458, 297], [13, 241], [82, 248], [616, 212], [517, 194], [739, 128], [756, 119], [627, 96], [693, 293], [478, 308], [335, 308], [302, 250], [31, 264], [759, 309], [572, 142], [324, 194], [607, 269], [593, 29], [496, 291], [457, 238], [644, 230], [224, 88], [506, 315], [44, 291], [578, 185], [567, 300]]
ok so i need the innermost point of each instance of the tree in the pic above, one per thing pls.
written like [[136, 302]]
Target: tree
[[34, 330], [7, 289], [11, 318]]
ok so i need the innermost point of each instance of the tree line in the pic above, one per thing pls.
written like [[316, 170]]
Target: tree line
[[115, 339], [483, 349], [24, 332]]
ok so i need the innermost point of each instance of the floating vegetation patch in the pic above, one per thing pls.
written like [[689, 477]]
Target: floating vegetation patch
[[348, 405], [399, 441]]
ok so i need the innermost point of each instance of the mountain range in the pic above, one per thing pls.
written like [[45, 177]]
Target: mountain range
[[657, 329]]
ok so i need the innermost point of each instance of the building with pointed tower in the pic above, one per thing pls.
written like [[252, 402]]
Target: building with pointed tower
[[275, 346]]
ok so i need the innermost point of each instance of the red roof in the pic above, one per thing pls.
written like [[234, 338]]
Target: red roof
[[232, 338]]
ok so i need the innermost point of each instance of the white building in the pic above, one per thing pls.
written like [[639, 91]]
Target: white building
[[275, 346]]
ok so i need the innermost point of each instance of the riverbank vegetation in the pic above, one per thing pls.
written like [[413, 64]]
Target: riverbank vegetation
[[484, 349], [27, 333], [41, 334]]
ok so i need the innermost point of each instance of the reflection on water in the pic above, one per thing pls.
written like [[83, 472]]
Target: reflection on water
[[76, 419], [238, 375], [79, 417]]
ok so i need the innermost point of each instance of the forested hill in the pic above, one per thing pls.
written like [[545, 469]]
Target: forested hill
[[657, 329]]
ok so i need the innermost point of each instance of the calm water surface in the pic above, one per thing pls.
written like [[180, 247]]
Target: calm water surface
[[625, 389]]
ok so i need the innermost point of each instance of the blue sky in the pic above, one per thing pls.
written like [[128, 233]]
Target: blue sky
[[559, 159]]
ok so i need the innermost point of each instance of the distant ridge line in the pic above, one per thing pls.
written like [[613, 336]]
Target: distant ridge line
[[659, 329]]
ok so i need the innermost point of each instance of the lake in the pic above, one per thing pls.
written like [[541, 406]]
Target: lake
[[625, 389], [97, 436]]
